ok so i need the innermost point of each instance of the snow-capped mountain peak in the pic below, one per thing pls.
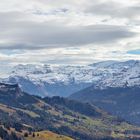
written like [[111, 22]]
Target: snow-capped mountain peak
[[63, 80]]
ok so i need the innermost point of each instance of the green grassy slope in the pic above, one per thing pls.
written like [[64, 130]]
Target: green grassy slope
[[47, 135]]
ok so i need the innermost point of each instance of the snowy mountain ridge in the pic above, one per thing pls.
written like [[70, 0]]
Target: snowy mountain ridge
[[50, 80]]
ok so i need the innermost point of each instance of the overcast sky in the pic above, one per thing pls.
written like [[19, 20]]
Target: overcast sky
[[68, 31]]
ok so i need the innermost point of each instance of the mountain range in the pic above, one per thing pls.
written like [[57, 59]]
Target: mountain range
[[93, 90], [52, 80]]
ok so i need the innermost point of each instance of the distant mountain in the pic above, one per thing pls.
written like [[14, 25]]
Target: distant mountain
[[121, 101], [51, 80], [28, 114]]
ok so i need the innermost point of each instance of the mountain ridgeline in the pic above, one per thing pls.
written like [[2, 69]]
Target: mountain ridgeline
[[121, 101], [22, 113], [49, 80]]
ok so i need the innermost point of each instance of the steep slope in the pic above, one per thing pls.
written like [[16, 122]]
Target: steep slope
[[9, 134], [66, 117], [65, 80], [123, 102], [46, 135]]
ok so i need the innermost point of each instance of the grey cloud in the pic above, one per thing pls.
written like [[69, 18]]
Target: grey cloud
[[114, 9], [21, 34], [51, 12]]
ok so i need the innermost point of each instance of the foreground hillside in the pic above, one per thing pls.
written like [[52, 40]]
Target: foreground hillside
[[77, 120], [123, 102], [7, 133], [46, 135]]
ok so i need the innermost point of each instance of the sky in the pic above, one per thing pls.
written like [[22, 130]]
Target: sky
[[76, 32]]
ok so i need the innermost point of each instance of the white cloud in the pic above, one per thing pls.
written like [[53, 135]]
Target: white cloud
[[68, 31]]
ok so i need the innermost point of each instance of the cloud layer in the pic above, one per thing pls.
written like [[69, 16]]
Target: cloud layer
[[68, 31]]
